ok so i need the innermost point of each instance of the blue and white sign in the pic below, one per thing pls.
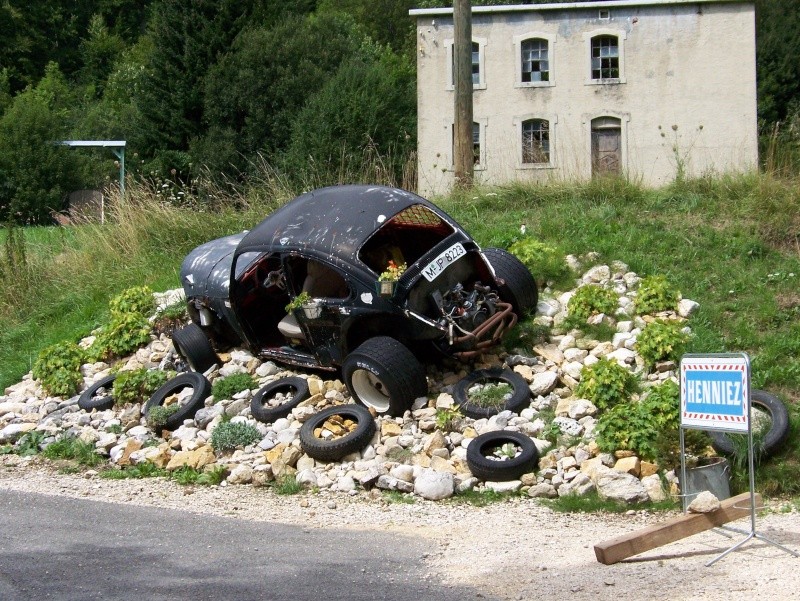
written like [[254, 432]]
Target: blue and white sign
[[715, 392]]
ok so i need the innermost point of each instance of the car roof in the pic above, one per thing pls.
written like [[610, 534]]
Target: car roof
[[331, 222]]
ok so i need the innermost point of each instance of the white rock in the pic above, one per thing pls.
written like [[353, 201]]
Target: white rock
[[434, 486], [306, 478], [241, 474], [655, 490], [618, 486], [507, 486], [705, 502], [543, 383], [687, 307]]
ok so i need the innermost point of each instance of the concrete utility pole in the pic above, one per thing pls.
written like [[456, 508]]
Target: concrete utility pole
[[463, 161]]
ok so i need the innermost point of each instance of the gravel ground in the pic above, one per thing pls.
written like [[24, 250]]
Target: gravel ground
[[511, 550]]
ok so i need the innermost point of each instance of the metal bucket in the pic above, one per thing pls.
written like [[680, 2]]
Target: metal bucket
[[711, 474]]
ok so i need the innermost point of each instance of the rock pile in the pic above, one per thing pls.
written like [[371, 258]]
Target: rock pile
[[409, 454]]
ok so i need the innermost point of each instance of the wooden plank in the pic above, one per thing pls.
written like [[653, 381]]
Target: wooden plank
[[627, 545]]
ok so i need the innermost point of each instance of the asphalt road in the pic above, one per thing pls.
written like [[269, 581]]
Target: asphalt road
[[54, 547]]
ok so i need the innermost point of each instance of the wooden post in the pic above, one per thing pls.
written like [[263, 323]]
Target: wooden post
[[617, 549], [463, 160]]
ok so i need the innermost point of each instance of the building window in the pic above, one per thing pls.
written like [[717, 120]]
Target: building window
[[605, 57], [476, 144], [535, 63], [535, 141], [478, 76]]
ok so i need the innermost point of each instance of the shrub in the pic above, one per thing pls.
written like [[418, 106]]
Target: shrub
[[227, 436], [157, 416], [606, 383], [590, 300], [138, 301], [58, 368], [543, 261], [124, 334], [661, 340], [655, 294], [137, 385], [225, 388], [74, 448]]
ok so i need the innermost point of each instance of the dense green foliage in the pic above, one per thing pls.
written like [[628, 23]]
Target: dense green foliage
[[606, 383], [225, 388], [227, 436], [661, 340], [137, 385], [58, 368]]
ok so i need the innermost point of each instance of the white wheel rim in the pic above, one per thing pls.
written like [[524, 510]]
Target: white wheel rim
[[370, 390]]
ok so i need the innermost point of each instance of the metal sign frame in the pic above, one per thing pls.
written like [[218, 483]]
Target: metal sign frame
[[720, 406]]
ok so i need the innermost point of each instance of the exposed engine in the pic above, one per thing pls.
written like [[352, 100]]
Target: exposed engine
[[463, 310]]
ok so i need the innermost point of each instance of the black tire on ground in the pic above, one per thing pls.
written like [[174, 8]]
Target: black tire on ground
[[519, 288], [193, 345], [201, 390], [496, 470], [776, 435], [520, 392], [335, 449], [384, 375], [88, 401], [262, 412]]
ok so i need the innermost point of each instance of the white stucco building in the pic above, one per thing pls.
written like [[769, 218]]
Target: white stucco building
[[646, 89]]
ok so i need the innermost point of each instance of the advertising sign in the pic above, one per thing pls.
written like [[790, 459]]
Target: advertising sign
[[715, 392]]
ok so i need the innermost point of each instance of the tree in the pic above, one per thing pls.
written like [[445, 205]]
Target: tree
[[778, 46], [368, 105], [35, 171], [385, 21]]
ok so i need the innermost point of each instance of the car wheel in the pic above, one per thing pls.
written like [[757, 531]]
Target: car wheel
[[384, 375], [519, 286], [201, 390], [467, 398], [765, 407], [333, 449], [193, 345], [296, 389], [89, 399], [485, 456]]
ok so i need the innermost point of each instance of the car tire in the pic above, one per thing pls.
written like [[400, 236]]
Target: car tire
[[520, 392], [334, 450], [776, 435], [519, 286], [88, 401], [193, 345], [201, 391], [267, 414], [382, 374], [495, 470]]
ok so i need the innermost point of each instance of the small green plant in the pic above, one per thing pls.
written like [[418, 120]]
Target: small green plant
[[286, 485], [210, 476], [661, 340], [490, 395], [606, 383], [227, 436], [114, 429], [140, 470], [125, 333], [506, 451], [185, 475], [481, 498], [157, 416], [399, 454], [655, 294], [137, 385], [30, 443], [225, 388], [525, 335], [591, 300], [592, 503], [136, 301], [448, 418], [551, 433], [393, 272], [6, 449], [58, 368], [74, 448], [543, 261], [298, 301], [397, 497]]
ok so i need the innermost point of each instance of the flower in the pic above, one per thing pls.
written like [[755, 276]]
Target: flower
[[393, 272]]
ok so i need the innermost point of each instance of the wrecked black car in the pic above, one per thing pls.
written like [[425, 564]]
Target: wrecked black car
[[365, 279]]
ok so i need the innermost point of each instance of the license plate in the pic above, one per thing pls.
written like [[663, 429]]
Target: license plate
[[443, 261]]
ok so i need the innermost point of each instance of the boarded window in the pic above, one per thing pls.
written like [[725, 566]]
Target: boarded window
[[535, 63], [535, 141], [605, 57]]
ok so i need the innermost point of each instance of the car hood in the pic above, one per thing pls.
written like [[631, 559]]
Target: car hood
[[206, 271]]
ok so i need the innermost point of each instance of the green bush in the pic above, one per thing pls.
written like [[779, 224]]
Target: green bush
[[225, 388], [606, 384], [655, 294], [58, 368], [543, 261], [660, 341], [138, 301], [157, 416], [590, 300], [124, 334], [228, 436], [137, 385]]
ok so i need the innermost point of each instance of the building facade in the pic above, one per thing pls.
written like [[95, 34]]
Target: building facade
[[650, 90]]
